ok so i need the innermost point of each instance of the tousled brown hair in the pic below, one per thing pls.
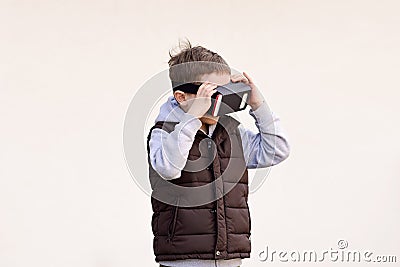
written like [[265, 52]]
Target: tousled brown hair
[[200, 61]]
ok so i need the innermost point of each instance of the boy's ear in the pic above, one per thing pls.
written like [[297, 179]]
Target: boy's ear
[[180, 96]]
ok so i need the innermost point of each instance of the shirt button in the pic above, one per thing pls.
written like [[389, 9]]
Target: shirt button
[[218, 253]]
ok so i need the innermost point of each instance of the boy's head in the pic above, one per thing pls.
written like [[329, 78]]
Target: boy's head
[[197, 64]]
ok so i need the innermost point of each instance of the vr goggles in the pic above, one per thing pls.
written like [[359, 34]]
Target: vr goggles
[[230, 97]]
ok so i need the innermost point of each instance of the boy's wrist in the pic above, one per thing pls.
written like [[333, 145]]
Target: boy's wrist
[[255, 106]]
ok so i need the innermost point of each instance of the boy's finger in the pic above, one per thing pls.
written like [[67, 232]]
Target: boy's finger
[[211, 89], [208, 91], [209, 94], [210, 86], [242, 79], [203, 89], [239, 78], [248, 77], [234, 78]]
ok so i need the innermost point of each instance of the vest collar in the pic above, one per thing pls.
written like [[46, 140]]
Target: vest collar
[[226, 123]]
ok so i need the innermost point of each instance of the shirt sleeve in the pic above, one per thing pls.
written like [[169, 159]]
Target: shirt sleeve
[[270, 145], [169, 151]]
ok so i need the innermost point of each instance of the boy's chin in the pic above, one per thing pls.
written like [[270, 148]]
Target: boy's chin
[[207, 119]]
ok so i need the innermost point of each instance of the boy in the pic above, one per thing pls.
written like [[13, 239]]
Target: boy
[[217, 232]]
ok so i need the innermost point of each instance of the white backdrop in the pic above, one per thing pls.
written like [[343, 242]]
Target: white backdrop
[[68, 70]]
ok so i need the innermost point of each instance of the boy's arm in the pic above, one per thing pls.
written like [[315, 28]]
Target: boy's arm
[[169, 151], [270, 145]]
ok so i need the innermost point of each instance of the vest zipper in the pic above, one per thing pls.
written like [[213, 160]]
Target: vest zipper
[[171, 232]]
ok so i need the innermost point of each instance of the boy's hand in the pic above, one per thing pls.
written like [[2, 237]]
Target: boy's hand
[[256, 99], [202, 102]]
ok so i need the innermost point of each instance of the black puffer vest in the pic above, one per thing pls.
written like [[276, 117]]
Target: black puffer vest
[[216, 230]]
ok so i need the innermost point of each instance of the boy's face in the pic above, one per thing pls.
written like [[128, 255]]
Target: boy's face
[[219, 79]]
